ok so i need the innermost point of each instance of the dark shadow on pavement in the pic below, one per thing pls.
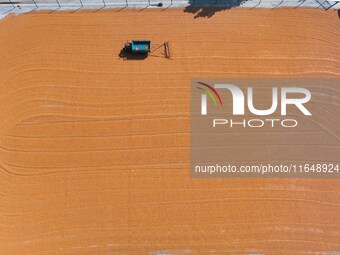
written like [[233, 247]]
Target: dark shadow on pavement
[[127, 55], [207, 8]]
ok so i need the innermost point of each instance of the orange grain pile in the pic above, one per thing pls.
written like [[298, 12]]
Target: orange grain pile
[[94, 150]]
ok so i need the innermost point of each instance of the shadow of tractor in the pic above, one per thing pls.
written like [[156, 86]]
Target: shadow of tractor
[[207, 8], [129, 55]]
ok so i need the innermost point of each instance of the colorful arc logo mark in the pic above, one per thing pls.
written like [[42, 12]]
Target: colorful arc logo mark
[[212, 93]]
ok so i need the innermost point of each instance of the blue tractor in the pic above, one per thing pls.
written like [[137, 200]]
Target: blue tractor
[[138, 46]]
